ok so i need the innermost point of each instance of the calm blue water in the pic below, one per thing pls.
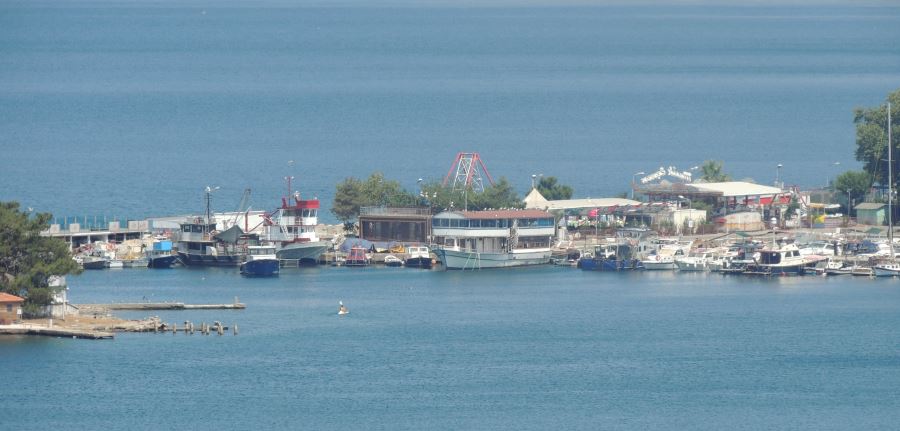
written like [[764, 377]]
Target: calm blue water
[[132, 108], [543, 348]]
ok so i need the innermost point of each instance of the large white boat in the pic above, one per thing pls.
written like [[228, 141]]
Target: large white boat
[[663, 258], [292, 228], [784, 260], [492, 239]]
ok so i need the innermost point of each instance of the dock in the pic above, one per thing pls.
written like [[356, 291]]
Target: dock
[[30, 329], [145, 306]]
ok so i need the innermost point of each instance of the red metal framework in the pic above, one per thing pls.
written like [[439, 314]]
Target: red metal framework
[[468, 167]]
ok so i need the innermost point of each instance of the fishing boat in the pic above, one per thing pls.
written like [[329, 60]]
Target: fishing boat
[[492, 238], [418, 256], [663, 258], [357, 257], [200, 244], [160, 255], [292, 227], [260, 261], [617, 254], [783, 260], [696, 261]]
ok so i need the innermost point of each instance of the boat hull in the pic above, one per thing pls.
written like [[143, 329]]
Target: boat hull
[[209, 260], [302, 250], [655, 265], [610, 265], [260, 268], [419, 262], [162, 261], [453, 259], [779, 270]]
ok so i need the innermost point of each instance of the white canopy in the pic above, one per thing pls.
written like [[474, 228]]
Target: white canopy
[[737, 188]]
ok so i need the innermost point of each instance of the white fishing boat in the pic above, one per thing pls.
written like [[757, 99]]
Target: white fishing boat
[[418, 256], [493, 239], [783, 260], [292, 227]]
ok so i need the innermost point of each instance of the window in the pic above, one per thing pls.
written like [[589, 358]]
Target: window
[[474, 223], [9, 308], [454, 223]]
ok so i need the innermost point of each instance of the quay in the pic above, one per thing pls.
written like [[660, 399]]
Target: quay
[[144, 306], [31, 329]]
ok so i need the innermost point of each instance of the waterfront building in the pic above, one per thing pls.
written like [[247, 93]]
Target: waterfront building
[[10, 308], [387, 224], [872, 213]]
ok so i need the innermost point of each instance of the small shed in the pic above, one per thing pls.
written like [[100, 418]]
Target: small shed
[[871, 213], [10, 308]]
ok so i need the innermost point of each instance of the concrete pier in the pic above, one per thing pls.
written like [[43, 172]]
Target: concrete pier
[[30, 329], [142, 306]]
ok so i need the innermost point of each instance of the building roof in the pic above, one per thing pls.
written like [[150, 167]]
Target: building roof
[[499, 214], [535, 199], [5, 297], [588, 203], [869, 206], [737, 188]]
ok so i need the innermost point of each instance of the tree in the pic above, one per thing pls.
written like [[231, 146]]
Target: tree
[[352, 194], [711, 171], [27, 259], [552, 191], [871, 137], [854, 185]]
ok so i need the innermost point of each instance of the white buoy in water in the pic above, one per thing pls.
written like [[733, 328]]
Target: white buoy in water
[[342, 309]]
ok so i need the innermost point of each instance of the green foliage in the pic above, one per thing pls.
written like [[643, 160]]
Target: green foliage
[[853, 183], [871, 137], [712, 171], [353, 193], [551, 190], [27, 259]]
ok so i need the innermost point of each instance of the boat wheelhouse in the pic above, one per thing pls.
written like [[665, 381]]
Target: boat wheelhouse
[[492, 238], [260, 261], [292, 227]]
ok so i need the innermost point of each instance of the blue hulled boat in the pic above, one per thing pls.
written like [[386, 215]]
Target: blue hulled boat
[[261, 262], [611, 257]]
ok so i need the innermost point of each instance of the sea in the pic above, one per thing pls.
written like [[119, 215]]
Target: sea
[[130, 109]]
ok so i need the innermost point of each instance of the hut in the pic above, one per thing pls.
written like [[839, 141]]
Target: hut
[[871, 213], [10, 308]]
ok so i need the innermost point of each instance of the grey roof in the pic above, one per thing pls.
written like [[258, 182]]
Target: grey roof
[[869, 206]]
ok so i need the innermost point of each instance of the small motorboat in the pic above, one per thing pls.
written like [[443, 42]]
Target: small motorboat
[[391, 260]]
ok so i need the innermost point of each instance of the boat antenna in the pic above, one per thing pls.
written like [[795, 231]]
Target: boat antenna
[[209, 191]]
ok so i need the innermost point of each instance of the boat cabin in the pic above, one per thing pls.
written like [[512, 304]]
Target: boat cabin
[[493, 230]]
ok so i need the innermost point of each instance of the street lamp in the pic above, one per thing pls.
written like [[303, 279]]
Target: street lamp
[[633, 183], [778, 175], [534, 177]]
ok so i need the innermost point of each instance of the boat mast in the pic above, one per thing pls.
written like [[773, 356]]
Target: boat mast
[[890, 184]]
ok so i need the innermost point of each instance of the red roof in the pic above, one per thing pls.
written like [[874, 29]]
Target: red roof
[[5, 297], [504, 214]]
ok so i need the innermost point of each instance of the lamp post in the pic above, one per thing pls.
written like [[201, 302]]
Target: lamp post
[[778, 175], [634, 183], [534, 177]]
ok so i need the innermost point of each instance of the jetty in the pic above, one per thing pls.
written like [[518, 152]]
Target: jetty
[[146, 306], [31, 329]]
